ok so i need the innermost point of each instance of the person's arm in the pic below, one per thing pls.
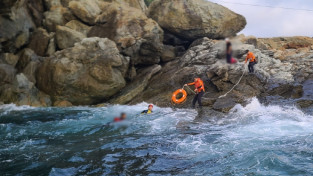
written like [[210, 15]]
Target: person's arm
[[144, 112], [193, 83], [247, 58]]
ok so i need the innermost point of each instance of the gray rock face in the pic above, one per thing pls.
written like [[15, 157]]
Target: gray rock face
[[168, 54], [88, 73], [196, 19], [137, 86]]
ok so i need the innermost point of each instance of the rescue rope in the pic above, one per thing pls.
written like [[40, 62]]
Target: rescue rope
[[189, 89], [245, 69]]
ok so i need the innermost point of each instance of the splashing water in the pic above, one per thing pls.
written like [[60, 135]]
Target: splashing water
[[251, 140]]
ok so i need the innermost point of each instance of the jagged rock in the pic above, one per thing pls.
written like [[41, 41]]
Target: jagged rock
[[51, 47], [286, 42], [39, 41], [21, 40], [9, 58], [29, 94], [15, 27], [137, 86], [23, 92], [287, 91], [136, 35], [139, 4], [196, 19], [62, 104], [66, 37], [224, 104], [168, 53], [305, 103], [78, 26], [208, 101], [7, 74], [86, 74], [86, 10], [27, 55], [57, 16], [52, 3]]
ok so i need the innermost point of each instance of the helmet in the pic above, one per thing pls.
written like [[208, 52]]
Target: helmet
[[150, 105]]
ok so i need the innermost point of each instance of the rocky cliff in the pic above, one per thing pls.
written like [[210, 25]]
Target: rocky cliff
[[86, 52]]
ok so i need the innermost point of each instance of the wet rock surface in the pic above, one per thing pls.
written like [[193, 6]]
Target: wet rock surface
[[86, 52]]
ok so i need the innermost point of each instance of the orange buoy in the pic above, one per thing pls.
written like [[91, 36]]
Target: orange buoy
[[182, 99]]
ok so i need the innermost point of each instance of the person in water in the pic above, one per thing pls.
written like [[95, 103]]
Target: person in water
[[229, 53], [252, 61], [149, 110], [121, 118], [199, 90]]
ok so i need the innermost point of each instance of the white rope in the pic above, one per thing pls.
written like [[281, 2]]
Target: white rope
[[235, 84], [189, 89]]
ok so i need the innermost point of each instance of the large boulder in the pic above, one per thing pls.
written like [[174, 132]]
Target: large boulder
[[66, 37], [90, 72], [86, 10], [57, 16], [195, 19], [135, 34], [39, 41], [78, 26]]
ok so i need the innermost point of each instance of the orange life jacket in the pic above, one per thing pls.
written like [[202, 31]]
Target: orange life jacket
[[250, 56], [198, 85]]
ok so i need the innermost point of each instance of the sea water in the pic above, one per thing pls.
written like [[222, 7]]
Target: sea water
[[251, 140]]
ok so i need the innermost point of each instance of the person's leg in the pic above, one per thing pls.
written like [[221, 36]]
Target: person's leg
[[249, 67], [194, 100], [199, 98], [252, 67]]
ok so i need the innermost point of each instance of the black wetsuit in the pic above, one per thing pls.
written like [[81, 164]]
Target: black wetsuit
[[228, 57], [251, 67], [146, 112], [197, 97]]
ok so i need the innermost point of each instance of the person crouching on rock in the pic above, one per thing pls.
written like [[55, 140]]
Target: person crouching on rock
[[121, 118], [229, 53], [199, 90], [252, 61], [149, 110]]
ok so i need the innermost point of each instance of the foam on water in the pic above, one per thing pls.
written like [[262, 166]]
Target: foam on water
[[251, 140]]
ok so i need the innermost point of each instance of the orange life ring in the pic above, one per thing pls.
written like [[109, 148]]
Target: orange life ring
[[182, 99]]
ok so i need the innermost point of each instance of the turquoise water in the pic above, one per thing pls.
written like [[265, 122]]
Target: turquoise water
[[252, 140]]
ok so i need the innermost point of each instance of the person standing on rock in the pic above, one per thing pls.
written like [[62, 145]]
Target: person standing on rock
[[199, 90], [252, 61], [229, 53]]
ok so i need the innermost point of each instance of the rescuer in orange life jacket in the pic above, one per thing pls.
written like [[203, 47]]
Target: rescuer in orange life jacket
[[199, 90], [252, 61]]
